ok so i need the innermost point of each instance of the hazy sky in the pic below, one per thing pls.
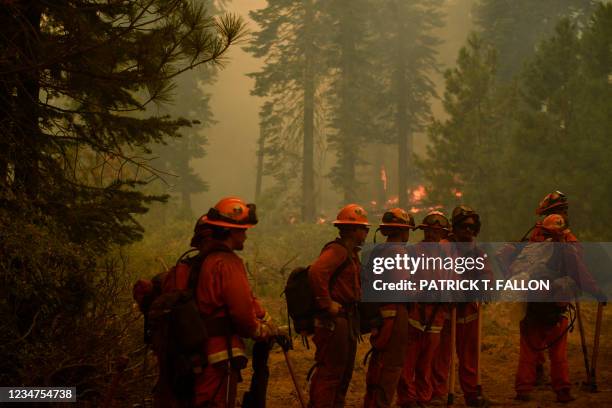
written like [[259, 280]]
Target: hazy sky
[[229, 166]]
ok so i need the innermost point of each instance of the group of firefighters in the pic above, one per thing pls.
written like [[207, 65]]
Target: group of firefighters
[[412, 355]]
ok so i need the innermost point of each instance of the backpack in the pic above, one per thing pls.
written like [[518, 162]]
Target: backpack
[[177, 330], [301, 302]]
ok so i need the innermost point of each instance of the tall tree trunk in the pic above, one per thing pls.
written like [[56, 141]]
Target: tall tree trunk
[[348, 135], [260, 162], [186, 202], [401, 123], [28, 88], [308, 193]]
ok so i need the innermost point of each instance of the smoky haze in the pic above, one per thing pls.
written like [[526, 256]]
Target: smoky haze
[[229, 165], [230, 162]]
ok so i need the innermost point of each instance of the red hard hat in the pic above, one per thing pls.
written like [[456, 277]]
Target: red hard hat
[[553, 201], [352, 214], [231, 212], [398, 218], [554, 223]]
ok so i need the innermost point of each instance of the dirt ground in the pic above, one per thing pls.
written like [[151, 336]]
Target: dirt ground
[[499, 353]]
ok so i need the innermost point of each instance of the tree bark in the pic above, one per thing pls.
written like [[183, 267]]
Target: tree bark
[[26, 160], [308, 193], [260, 162]]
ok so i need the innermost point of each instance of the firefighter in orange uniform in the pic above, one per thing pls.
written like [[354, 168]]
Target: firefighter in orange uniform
[[224, 296], [337, 326], [548, 330], [465, 227], [425, 321], [389, 341]]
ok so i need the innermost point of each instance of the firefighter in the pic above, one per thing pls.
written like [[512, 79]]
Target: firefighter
[[465, 227], [337, 326], [425, 322], [545, 325], [390, 339], [224, 296]]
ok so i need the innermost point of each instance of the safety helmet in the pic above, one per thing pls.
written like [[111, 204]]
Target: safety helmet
[[231, 212], [554, 223], [462, 213], [435, 219], [397, 218], [554, 201], [352, 214]]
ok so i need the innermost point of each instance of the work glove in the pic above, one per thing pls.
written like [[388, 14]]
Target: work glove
[[265, 331]]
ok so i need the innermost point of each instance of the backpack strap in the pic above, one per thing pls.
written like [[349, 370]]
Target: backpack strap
[[196, 266], [334, 277]]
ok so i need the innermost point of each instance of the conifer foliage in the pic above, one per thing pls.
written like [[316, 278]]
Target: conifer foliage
[[76, 79]]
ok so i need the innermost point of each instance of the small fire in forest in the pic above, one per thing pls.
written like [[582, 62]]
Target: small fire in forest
[[373, 203], [457, 193], [418, 194], [321, 220], [383, 177], [415, 210], [393, 200]]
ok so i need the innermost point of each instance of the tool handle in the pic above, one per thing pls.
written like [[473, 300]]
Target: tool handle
[[298, 389], [451, 377]]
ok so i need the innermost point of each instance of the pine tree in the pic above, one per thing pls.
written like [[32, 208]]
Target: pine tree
[[76, 79], [74, 75], [515, 27], [466, 152], [174, 157], [290, 40], [406, 58], [352, 90], [563, 140]]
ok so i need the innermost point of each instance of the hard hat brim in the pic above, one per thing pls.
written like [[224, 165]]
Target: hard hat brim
[[397, 225], [423, 226], [225, 224], [343, 222], [541, 211]]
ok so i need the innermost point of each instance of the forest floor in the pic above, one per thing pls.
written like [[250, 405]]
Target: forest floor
[[500, 349]]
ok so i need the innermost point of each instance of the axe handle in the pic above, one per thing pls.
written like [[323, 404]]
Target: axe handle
[[453, 341], [295, 383], [478, 351], [596, 347], [585, 352]]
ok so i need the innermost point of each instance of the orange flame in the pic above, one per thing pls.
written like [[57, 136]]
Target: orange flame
[[418, 194], [383, 176], [393, 200]]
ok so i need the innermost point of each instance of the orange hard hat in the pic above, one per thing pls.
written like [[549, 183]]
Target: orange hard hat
[[398, 218], [554, 223], [553, 201], [352, 214], [435, 219], [231, 212]]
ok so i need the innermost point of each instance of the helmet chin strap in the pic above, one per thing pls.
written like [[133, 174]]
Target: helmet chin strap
[[377, 229]]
